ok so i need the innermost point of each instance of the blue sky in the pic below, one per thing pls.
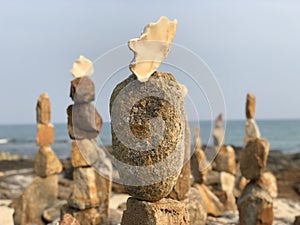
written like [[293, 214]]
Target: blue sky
[[251, 46]]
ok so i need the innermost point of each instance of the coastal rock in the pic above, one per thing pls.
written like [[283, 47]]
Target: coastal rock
[[268, 182], [46, 163], [84, 122], [213, 205], [84, 153], [82, 67], [199, 166], [225, 160], [68, 219], [219, 121], [40, 193], [253, 159], [52, 212], [240, 185], [45, 135], [148, 134], [255, 206], [152, 47], [252, 130], [250, 106], [196, 207], [90, 190], [165, 211], [82, 90], [43, 109], [227, 182]]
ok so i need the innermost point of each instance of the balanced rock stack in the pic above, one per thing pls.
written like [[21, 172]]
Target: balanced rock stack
[[89, 200], [148, 125], [256, 202], [42, 192]]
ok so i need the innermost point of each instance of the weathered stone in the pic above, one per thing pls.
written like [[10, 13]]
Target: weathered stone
[[268, 182], [165, 211], [115, 216], [82, 67], [84, 122], [182, 187], [90, 190], [225, 160], [297, 220], [219, 121], [250, 106], [40, 193], [84, 153], [46, 163], [252, 130], [150, 141], [43, 109], [240, 184], [253, 159], [255, 206], [52, 212], [213, 205], [152, 47], [196, 207], [227, 182], [197, 138], [199, 166], [45, 135], [82, 90], [68, 219]]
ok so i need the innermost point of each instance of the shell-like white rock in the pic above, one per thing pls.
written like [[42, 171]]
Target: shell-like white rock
[[82, 67], [152, 47]]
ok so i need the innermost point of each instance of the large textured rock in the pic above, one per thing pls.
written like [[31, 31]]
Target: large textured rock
[[148, 134], [45, 135], [268, 182], [250, 106], [152, 47], [90, 190], [82, 90], [252, 130], [46, 162], [225, 160], [253, 158], [196, 207], [39, 194], [213, 205], [84, 122], [255, 206], [43, 109], [84, 153], [165, 211]]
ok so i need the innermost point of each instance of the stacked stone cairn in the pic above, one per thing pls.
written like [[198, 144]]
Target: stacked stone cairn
[[43, 191], [148, 132], [89, 201], [256, 202]]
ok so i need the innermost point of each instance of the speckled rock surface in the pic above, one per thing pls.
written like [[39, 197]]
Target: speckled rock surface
[[148, 134]]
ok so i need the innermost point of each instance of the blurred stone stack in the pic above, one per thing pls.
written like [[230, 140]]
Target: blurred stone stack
[[256, 202], [89, 201], [42, 192], [148, 132]]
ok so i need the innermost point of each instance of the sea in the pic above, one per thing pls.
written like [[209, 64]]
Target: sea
[[283, 135]]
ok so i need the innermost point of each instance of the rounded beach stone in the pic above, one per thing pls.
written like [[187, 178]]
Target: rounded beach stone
[[82, 90], [225, 160], [148, 134]]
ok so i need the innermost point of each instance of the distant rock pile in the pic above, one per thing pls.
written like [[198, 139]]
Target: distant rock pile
[[42, 192], [256, 202], [89, 201]]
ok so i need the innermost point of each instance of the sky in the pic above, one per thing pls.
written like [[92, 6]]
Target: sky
[[249, 46]]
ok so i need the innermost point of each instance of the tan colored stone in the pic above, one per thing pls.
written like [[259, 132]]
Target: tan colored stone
[[46, 162], [68, 219], [250, 106], [252, 130], [82, 90], [240, 184], [268, 182], [214, 206], [90, 190], [253, 158], [82, 67], [255, 206], [45, 135], [196, 207], [84, 153], [165, 211], [225, 160], [199, 166], [197, 138], [43, 109], [40, 193], [152, 47]]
